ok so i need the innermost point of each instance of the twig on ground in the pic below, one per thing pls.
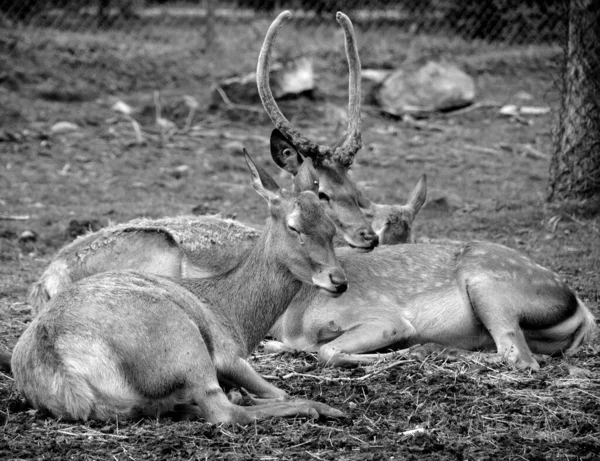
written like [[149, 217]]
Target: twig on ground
[[412, 432], [5, 217], [420, 124], [531, 151], [90, 433], [314, 456], [361, 378], [137, 130], [233, 105], [521, 120], [472, 107], [485, 150]]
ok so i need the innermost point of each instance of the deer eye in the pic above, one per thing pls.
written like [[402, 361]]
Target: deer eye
[[323, 196], [293, 229]]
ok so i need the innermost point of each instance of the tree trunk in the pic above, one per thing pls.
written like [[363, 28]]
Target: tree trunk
[[575, 166]]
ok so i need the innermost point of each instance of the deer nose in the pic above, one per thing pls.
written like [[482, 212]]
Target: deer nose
[[339, 281], [369, 236]]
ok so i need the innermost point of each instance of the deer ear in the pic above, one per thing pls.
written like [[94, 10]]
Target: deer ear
[[262, 181], [307, 178], [419, 194], [284, 153], [363, 202]]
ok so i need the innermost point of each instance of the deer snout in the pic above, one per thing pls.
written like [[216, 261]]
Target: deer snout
[[332, 282], [339, 281], [367, 239]]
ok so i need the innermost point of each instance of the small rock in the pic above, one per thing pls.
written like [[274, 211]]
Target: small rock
[[63, 127], [122, 108], [509, 109], [180, 171], [27, 236]]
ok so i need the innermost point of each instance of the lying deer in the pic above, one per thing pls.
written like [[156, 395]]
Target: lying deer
[[474, 296], [203, 246], [123, 344]]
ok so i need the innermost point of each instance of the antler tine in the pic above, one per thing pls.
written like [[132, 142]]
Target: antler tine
[[345, 153], [304, 145]]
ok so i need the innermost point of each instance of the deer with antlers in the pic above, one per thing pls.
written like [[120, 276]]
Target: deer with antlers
[[123, 344], [205, 245]]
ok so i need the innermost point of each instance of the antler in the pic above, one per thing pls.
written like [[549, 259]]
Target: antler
[[345, 153], [301, 142]]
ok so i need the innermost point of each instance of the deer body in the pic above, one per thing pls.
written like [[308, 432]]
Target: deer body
[[120, 344], [181, 247], [474, 296], [188, 246], [471, 296]]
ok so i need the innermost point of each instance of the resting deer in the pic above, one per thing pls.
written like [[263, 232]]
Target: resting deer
[[122, 344], [186, 246], [398, 296], [474, 296], [203, 246]]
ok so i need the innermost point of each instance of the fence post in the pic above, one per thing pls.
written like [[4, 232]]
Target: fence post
[[210, 25]]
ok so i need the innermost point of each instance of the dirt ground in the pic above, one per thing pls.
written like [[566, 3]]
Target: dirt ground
[[487, 176]]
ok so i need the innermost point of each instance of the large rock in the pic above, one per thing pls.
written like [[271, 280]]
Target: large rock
[[435, 86]]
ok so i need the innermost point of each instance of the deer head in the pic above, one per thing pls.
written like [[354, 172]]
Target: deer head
[[393, 223], [301, 230], [338, 194]]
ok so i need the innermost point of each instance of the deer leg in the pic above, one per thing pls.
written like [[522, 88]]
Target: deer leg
[[214, 407], [493, 303], [348, 348], [270, 401], [293, 407], [242, 375]]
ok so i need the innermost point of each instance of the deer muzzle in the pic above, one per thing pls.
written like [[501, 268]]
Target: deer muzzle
[[332, 281]]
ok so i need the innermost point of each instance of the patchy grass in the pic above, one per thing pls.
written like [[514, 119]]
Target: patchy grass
[[425, 406]]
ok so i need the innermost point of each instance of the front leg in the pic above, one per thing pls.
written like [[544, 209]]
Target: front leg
[[270, 400], [241, 374], [349, 348]]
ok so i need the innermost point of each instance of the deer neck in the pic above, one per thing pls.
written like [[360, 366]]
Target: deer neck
[[253, 295]]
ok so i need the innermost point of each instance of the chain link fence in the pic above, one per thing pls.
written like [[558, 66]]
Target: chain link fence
[[110, 35], [116, 44], [505, 21]]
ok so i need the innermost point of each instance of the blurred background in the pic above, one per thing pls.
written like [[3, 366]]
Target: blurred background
[[77, 33], [170, 75], [77, 50]]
